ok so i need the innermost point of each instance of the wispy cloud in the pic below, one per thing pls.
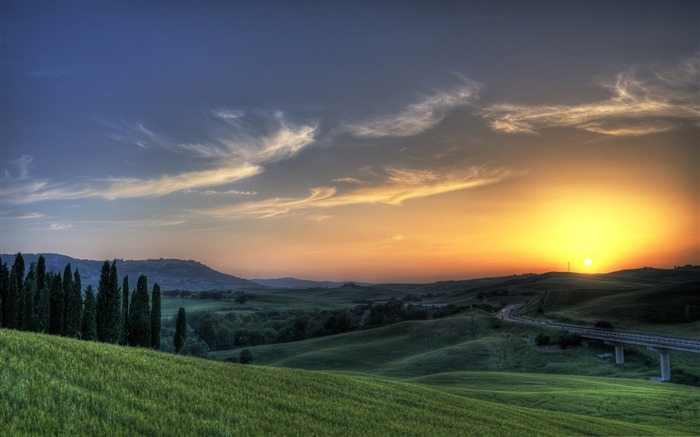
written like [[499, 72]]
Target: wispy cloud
[[637, 106], [399, 186], [239, 153], [21, 215], [60, 226], [347, 180], [220, 193], [129, 187], [19, 169], [417, 117]]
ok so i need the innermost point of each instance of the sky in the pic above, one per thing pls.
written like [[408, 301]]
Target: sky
[[380, 141]]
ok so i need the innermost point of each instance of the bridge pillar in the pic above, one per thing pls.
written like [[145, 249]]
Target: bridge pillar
[[665, 364], [619, 352]]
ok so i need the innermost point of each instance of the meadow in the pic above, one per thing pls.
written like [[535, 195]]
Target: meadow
[[59, 386]]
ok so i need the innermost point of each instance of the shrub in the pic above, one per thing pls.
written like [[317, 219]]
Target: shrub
[[542, 340], [245, 357]]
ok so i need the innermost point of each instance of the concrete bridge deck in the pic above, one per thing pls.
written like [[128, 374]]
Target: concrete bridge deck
[[659, 342]]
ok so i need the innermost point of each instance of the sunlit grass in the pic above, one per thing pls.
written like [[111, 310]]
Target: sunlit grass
[[57, 386]]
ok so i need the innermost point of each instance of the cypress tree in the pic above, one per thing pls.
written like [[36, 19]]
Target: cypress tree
[[180, 330], [139, 316], [19, 281], [102, 316], [89, 328], [74, 303], [125, 311], [109, 321], [115, 304], [28, 322], [4, 286], [67, 288], [43, 305], [155, 317], [12, 315], [57, 304], [40, 273]]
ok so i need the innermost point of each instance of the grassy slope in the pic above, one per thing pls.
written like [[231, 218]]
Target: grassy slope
[[53, 385], [672, 308], [671, 406], [466, 341]]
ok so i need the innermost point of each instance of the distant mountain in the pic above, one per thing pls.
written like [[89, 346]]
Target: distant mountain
[[301, 283], [170, 274]]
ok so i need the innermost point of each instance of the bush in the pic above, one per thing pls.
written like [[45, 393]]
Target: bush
[[603, 324], [245, 357], [542, 340], [568, 339]]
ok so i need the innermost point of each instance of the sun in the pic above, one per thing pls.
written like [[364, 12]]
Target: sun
[[588, 262]]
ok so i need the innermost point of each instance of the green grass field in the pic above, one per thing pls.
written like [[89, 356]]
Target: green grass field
[[466, 341], [58, 386]]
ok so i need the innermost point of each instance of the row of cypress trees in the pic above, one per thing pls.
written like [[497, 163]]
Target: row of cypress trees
[[42, 301]]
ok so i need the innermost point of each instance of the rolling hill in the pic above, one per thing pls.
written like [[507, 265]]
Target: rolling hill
[[58, 386], [170, 274]]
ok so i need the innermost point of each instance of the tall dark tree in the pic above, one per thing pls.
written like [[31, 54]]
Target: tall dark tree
[[125, 311], [4, 288], [43, 304], [89, 328], [155, 317], [108, 305], [67, 288], [40, 273], [180, 330], [18, 267], [74, 303], [12, 315], [139, 315], [116, 302], [28, 322], [57, 303]]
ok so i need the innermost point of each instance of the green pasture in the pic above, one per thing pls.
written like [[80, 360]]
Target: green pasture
[[56, 386], [669, 406]]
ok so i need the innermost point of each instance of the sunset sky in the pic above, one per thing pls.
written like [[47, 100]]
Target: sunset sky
[[348, 140]]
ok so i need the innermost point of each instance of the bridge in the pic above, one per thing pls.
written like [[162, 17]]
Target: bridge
[[663, 344]]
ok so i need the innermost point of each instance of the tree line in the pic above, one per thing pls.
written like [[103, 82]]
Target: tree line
[[52, 303]]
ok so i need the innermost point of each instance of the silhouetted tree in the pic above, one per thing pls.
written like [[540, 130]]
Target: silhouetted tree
[[67, 287], [116, 302], [57, 304], [40, 273], [12, 304], [28, 322], [139, 315], [43, 305], [108, 305], [4, 288], [180, 330], [19, 276], [125, 311], [155, 317], [74, 303], [89, 328]]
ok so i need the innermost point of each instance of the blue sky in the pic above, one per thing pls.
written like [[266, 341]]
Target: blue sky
[[365, 140]]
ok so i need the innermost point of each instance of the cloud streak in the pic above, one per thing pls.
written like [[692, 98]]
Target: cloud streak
[[237, 156], [400, 185], [637, 107], [417, 117]]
